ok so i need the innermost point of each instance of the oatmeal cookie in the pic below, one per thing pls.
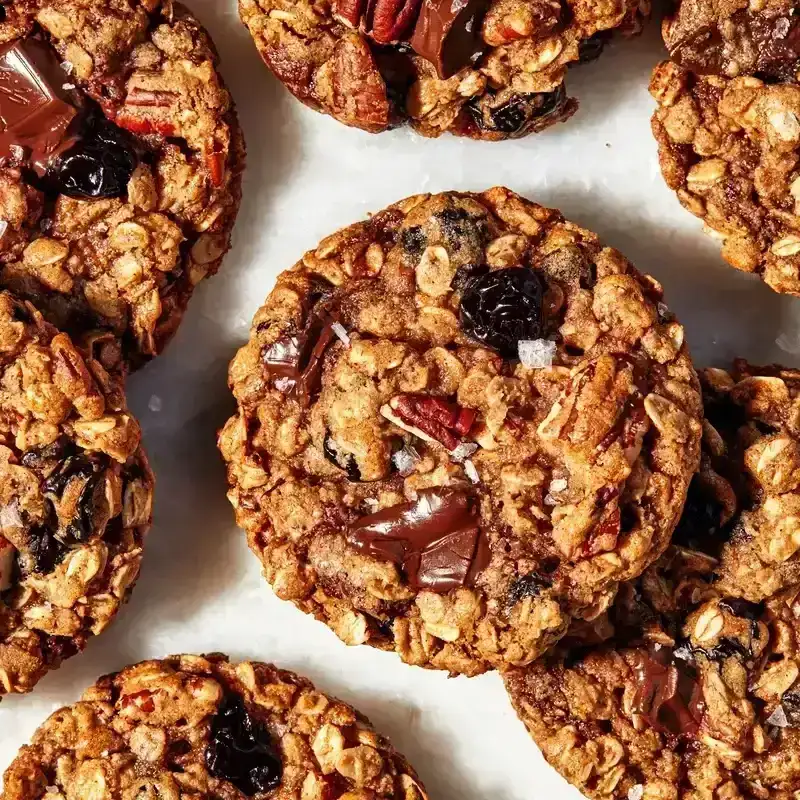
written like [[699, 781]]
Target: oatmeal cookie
[[203, 727], [487, 69], [730, 149], [687, 689], [460, 424], [120, 170], [75, 494], [733, 38]]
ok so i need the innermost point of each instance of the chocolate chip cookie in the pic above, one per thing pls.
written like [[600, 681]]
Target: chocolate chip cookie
[[729, 148], [486, 69], [120, 164], [203, 727], [75, 494], [460, 424], [688, 688]]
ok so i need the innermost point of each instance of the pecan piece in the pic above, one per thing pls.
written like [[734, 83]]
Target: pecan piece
[[445, 422], [144, 126], [389, 20], [152, 99], [349, 12], [359, 91]]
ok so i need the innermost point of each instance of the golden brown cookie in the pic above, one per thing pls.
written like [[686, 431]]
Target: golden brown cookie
[[460, 424], [203, 727], [75, 495], [486, 69], [120, 170]]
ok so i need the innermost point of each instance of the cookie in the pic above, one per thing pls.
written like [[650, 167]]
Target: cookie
[[460, 424], [120, 171], [75, 494], [687, 689], [203, 727], [737, 38], [486, 69], [729, 148]]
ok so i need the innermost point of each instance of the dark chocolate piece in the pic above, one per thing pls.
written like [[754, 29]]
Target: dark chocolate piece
[[34, 110], [436, 540], [448, 34], [668, 693], [295, 362]]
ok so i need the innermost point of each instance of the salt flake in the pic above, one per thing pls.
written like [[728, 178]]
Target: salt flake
[[339, 330], [536, 353], [68, 67], [3, 228], [636, 792], [463, 451], [778, 718], [10, 517], [405, 461], [558, 485], [472, 473], [154, 404]]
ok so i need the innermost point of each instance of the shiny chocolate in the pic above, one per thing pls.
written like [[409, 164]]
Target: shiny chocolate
[[448, 34], [668, 693], [35, 112], [295, 362], [436, 539]]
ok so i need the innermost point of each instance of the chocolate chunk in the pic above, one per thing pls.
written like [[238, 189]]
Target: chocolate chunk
[[436, 540], [668, 692], [34, 110], [295, 362], [448, 34]]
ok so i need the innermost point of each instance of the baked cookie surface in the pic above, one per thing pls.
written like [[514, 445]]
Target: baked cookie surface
[[729, 148], [120, 170], [486, 69], [687, 689], [75, 494], [204, 727], [460, 424]]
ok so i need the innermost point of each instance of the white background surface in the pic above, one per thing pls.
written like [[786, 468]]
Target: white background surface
[[201, 589]]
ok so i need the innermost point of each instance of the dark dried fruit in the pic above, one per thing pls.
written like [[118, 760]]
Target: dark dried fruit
[[529, 585], [99, 165], [241, 751], [413, 241], [743, 608], [340, 459], [503, 307], [520, 114], [44, 552], [700, 526], [590, 49]]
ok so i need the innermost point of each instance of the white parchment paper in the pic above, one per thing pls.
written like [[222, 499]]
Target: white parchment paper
[[201, 589]]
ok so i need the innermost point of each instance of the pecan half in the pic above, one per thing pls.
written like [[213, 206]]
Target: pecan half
[[359, 91], [388, 21], [445, 422]]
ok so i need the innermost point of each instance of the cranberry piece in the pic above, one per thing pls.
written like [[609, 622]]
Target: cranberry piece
[[503, 307], [241, 751]]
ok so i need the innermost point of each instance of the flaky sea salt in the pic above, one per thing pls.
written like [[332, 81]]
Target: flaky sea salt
[[778, 718], [789, 343], [536, 353], [3, 228], [463, 451], [472, 473], [68, 67], [154, 404], [558, 485], [339, 330], [405, 460], [10, 517], [636, 792]]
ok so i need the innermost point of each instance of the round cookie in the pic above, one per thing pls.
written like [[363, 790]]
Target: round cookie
[[120, 171], [710, 37], [75, 494], [404, 477], [729, 148], [203, 727], [486, 69], [686, 689]]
